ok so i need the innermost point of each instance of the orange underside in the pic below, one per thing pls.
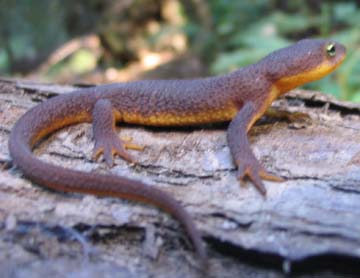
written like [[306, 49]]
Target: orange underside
[[288, 83], [182, 119], [55, 125]]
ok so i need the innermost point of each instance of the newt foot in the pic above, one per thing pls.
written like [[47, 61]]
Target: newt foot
[[110, 146], [127, 143], [255, 173]]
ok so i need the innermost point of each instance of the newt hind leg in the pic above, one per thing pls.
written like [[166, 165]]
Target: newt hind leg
[[107, 141]]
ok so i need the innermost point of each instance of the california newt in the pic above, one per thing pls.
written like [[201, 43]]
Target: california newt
[[240, 97]]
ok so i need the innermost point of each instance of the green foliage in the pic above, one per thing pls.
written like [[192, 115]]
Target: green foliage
[[30, 27], [242, 32], [82, 61], [248, 32], [345, 83]]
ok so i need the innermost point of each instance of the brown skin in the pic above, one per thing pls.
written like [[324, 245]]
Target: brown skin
[[241, 97]]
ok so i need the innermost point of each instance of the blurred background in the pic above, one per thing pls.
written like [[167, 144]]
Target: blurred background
[[101, 41]]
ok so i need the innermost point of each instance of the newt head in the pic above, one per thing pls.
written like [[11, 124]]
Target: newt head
[[303, 62]]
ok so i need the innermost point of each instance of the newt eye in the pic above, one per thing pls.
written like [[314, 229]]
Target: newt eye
[[331, 49]]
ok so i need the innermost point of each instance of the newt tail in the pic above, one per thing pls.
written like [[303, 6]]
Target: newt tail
[[240, 97]]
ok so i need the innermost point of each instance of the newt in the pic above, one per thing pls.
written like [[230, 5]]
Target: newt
[[240, 97]]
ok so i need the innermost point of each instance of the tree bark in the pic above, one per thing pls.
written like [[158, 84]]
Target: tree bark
[[312, 217]]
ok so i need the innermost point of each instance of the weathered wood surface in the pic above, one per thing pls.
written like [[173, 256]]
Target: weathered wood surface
[[315, 212]]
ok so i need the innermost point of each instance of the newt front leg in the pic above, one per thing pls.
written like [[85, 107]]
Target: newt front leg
[[245, 160]]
